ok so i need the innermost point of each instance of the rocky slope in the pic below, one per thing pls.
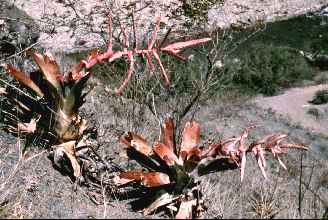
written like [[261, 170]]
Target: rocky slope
[[69, 26]]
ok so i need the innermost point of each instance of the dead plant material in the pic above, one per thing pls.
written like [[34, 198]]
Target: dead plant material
[[263, 207]]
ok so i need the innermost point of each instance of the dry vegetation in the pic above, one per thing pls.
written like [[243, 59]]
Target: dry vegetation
[[185, 174]]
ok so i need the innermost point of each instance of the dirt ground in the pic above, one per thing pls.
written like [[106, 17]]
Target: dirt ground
[[30, 187], [295, 104]]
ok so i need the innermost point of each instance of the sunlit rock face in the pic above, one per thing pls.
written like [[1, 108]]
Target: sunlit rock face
[[71, 26]]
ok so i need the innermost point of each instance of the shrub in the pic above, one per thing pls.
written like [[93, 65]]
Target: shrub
[[320, 97], [266, 69]]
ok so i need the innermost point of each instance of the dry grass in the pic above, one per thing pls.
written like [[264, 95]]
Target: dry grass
[[263, 203]]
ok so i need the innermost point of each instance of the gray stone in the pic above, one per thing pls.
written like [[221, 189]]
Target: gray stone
[[71, 26]]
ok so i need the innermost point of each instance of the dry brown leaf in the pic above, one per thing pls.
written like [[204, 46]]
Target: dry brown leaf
[[185, 210], [69, 149], [3, 91], [28, 127], [164, 199]]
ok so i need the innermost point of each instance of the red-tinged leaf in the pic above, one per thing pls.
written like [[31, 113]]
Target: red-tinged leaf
[[166, 154], [270, 140], [49, 68], [228, 146], [150, 63], [137, 142], [260, 162], [190, 138], [242, 139], [127, 177], [211, 151], [152, 179], [295, 146], [194, 154], [128, 75], [185, 209], [165, 75], [93, 55], [168, 134], [22, 78], [75, 73], [242, 150], [176, 47], [110, 35], [155, 179]]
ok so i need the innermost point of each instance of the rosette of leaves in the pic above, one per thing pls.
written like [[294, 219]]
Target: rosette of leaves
[[168, 169], [172, 172], [46, 103]]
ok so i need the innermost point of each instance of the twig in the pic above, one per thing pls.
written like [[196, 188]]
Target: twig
[[104, 197], [11, 175], [20, 52], [300, 197], [105, 162]]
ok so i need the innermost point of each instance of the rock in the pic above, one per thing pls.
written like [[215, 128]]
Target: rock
[[17, 30], [252, 11], [71, 26], [315, 112]]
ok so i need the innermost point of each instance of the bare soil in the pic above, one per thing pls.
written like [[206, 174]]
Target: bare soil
[[294, 103]]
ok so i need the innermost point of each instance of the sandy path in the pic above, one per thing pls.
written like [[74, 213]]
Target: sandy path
[[294, 104]]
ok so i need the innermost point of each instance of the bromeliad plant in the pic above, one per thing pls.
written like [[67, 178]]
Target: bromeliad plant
[[173, 171], [53, 99], [49, 106], [151, 52]]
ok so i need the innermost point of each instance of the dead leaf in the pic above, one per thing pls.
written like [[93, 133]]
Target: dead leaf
[[164, 199], [185, 210], [28, 127], [3, 91], [68, 148]]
